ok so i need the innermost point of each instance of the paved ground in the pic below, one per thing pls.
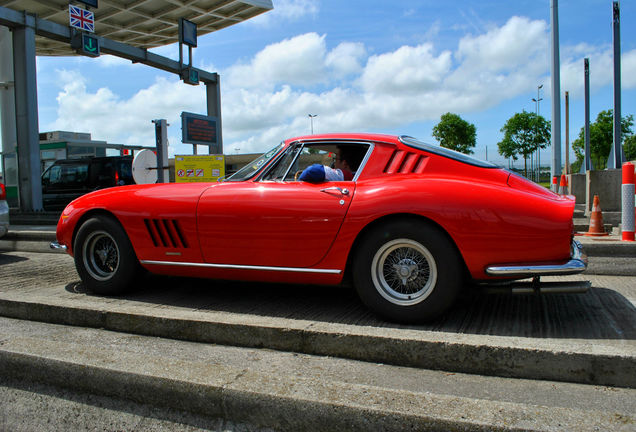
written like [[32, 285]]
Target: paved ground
[[289, 357]]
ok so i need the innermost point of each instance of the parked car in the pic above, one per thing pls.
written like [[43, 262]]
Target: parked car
[[68, 179], [4, 211], [414, 225]]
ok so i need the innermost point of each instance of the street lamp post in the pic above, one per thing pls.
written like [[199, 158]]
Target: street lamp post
[[311, 120], [537, 100]]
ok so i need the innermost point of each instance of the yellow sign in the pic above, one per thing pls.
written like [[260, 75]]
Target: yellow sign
[[198, 168]]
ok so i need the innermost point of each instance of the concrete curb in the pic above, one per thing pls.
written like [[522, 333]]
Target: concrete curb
[[284, 402], [578, 362]]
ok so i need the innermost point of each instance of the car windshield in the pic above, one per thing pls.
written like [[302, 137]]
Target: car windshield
[[249, 170]]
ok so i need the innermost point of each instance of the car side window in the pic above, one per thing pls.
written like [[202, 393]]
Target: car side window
[[278, 171], [296, 159], [309, 156], [55, 174]]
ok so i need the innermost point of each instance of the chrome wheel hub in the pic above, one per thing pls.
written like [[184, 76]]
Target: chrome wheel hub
[[101, 255], [404, 272]]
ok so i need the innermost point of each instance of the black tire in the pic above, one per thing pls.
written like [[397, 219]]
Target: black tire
[[104, 256], [407, 271]]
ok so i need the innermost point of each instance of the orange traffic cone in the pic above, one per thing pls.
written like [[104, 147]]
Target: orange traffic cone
[[596, 220], [563, 186]]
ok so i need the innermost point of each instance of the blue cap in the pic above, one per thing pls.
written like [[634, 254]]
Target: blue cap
[[313, 174]]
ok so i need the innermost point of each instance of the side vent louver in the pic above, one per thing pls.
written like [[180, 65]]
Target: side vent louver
[[403, 162], [165, 233]]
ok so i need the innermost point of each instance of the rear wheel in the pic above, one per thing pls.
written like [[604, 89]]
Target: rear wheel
[[104, 257], [407, 271]]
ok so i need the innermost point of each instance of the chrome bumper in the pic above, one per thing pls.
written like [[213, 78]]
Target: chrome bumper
[[56, 245], [576, 264]]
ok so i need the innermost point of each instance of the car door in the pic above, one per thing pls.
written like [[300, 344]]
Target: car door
[[271, 223]]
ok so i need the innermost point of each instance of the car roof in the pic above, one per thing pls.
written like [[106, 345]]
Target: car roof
[[90, 159], [345, 137]]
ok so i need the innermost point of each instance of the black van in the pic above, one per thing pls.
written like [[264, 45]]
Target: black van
[[68, 179]]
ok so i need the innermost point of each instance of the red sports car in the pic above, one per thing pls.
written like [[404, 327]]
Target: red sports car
[[412, 225]]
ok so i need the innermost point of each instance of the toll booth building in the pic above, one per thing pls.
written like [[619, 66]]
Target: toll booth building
[[68, 145]]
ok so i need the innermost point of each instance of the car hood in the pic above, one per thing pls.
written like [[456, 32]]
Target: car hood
[[138, 198]]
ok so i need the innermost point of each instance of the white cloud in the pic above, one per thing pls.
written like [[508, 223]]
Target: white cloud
[[110, 118], [296, 61], [506, 47], [345, 59], [628, 69], [407, 70], [601, 69]]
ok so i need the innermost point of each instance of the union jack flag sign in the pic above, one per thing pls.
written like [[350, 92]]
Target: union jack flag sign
[[81, 18]]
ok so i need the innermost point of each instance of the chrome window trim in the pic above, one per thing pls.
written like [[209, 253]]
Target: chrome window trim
[[242, 267], [364, 160]]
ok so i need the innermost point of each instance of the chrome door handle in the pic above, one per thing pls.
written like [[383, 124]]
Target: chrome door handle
[[344, 191]]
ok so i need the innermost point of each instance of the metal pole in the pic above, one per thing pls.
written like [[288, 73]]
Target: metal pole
[[616, 155], [213, 95], [161, 137], [567, 133], [311, 120], [587, 161], [556, 92], [26, 110]]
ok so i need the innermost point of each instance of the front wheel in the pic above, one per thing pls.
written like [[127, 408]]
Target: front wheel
[[407, 271], [104, 257]]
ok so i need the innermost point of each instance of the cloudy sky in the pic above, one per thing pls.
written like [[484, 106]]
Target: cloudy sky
[[378, 66]]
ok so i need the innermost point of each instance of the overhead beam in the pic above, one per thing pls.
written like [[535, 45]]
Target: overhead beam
[[51, 30]]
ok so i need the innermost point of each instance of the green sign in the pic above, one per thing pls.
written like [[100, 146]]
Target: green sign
[[190, 76], [90, 46]]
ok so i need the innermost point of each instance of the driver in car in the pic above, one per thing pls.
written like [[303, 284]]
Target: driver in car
[[318, 173]]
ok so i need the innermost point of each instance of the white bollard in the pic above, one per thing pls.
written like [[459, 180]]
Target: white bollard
[[628, 202]]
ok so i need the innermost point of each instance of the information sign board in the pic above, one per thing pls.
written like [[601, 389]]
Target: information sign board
[[198, 168], [199, 129]]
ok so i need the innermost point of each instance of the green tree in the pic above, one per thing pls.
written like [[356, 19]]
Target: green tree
[[601, 138], [629, 147], [524, 132], [455, 133]]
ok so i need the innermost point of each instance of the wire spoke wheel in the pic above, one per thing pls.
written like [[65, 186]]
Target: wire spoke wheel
[[104, 256], [404, 272], [101, 255]]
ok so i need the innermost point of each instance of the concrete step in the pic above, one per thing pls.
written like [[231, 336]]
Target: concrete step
[[607, 246], [498, 334], [79, 369], [612, 265]]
